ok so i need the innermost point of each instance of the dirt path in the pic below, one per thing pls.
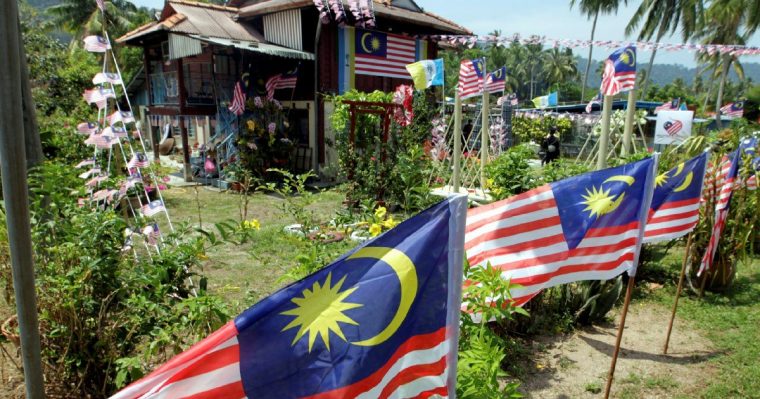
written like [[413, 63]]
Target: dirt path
[[576, 365]]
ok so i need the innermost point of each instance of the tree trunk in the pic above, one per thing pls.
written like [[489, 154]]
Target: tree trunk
[[32, 144], [648, 76], [590, 51], [710, 86], [719, 100]]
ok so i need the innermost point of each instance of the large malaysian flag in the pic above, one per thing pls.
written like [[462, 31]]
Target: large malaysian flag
[[470, 78], [619, 71], [383, 54]]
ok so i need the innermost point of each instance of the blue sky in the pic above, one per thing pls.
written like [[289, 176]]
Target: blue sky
[[550, 18]]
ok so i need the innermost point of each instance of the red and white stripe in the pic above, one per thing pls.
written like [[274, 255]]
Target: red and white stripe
[[752, 183], [271, 86], [96, 44], [726, 186], [237, 106], [210, 369], [672, 220], [418, 369], [400, 52], [494, 86], [523, 237], [675, 127], [470, 84], [120, 116]]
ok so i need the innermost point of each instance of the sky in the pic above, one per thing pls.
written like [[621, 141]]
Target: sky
[[551, 18]]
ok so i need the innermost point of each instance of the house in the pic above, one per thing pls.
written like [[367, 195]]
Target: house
[[196, 52]]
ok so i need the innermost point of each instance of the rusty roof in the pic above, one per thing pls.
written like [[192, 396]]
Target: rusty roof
[[382, 8], [189, 17]]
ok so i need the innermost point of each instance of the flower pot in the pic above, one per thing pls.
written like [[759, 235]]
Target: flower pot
[[326, 237], [8, 330]]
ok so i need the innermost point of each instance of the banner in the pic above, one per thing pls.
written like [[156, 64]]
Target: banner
[[673, 127]]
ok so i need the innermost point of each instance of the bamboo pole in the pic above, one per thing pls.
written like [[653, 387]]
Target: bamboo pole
[[15, 194], [678, 292], [628, 129], [604, 138], [611, 374], [484, 136], [457, 134]]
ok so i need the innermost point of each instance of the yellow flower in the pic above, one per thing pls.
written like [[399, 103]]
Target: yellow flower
[[380, 212], [251, 125], [389, 223], [252, 224], [375, 229], [202, 256]]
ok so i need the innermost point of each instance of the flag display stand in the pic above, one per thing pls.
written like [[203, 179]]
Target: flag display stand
[[628, 129], [678, 292], [604, 137]]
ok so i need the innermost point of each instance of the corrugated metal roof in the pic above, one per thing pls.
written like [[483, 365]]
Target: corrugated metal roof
[[257, 47]]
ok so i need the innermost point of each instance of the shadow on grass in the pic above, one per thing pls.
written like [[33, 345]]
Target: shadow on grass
[[671, 358]]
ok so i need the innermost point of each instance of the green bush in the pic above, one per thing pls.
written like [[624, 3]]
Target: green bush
[[535, 129], [511, 174]]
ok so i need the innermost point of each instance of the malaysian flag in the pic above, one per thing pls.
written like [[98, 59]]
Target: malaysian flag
[[237, 106], [87, 128], [672, 105], [107, 77], [138, 160], [281, 81], [120, 116], [86, 162], [151, 234], [727, 172], [91, 172], [115, 131], [510, 99], [96, 44], [390, 331], [96, 180], [271, 86], [470, 78], [619, 71], [153, 208], [587, 227], [98, 96], [735, 110], [675, 203], [496, 80], [383, 54], [133, 180], [596, 100], [100, 195], [752, 183], [673, 127], [100, 141]]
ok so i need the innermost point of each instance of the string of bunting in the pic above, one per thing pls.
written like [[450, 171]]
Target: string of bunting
[[536, 114], [363, 12], [471, 41]]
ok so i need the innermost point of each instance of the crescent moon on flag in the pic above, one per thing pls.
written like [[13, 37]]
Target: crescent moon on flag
[[624, 178], [679, 169], [404, 268], [686, 183], [631, 57], [364, 42]]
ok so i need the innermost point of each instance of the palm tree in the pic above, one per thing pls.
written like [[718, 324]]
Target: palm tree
[[82, 17], [592, 9], [665, 17], [559, 66], [533, 57]]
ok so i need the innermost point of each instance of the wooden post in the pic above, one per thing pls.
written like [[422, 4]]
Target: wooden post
[[628, 129], [457, 156], [611, 374], [188, 173], [604, 138], [702, 284], [484, 138], [15, 194], [678, 292]]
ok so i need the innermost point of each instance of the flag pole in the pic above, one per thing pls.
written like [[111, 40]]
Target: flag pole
[[611, 374], [628, 129], [678, 292], [484, 134], [604, 138], [457, 156]]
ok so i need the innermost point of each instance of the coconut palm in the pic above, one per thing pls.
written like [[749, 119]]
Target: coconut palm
[[656, 18], [559, 66], [82, 17], [592, 9]]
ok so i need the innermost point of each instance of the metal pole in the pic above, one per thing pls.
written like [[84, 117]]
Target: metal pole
[[484, 135], [15, 193], [611, 374], [457, 134], [628, 129], [604, 138], [678, 292]]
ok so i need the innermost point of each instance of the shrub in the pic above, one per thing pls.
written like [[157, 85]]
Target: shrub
[[510, 173], [535, 129]]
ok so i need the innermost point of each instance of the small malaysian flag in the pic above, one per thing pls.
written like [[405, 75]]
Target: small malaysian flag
[[91, 172], [724, 183], [237, 106], [96, 180], [672, 105], [735, 110], [673, 127], [153, 208], [510, 99], [100, 141], [151, 234], [115, 131], [470, 78], [107, 77], [98, 96], [96, 44], [86, 162], [100, 195], [496, 80], [619, 71], [596, 100], [752, 183], [87, 128], [120, 116], [271, 86], [138, 160], [133, 180]]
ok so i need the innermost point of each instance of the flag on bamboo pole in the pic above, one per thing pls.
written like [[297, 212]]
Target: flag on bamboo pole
[[138, 160], [596, 100], [672, 105], [724, 183], [470, 78], [426, 73], [121, 116], [98, 96], [619, 71], [96, 44], [675, 203], [87, 128], [587, 227], [115, 131], [86, 162], [237, 106], [380, 322], [735, 110], [496, 80], [153, 208]]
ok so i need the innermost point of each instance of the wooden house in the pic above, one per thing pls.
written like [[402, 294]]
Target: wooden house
[[196, 52]]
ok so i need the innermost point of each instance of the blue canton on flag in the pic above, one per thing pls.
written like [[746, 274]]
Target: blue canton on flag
[[381, 321], [619, 71]]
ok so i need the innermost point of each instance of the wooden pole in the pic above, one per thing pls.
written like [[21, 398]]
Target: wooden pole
[[604, 138], [16, 197], [702, 284], [678, 292], [484, 136], [611, 374], [457, 134], [188, 174], [628, 129]]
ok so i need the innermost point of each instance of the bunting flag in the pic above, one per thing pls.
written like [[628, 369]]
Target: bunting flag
[[586, 227], [237, 106], [340, 13], [673, 105], [89, 173], [87, 128], [98, 96], [324, 11], [382, 321], [496, 80], [107, 77], [153, 208], [470, 78], [121, 116], [619, 71], [727, 173], [675, 203], [735, 110], [596, 100], [138, 160], [367, 10], [96, 44]]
